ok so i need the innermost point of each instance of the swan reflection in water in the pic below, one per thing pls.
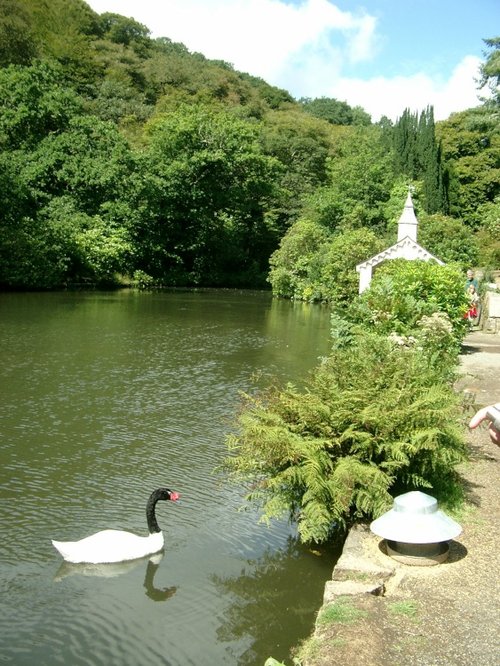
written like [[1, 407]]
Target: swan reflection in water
[[118, 569]]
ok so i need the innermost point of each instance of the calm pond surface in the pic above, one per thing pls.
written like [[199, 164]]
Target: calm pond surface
[[105, 397]]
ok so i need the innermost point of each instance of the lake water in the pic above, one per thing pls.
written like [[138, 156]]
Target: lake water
[[105, 397]]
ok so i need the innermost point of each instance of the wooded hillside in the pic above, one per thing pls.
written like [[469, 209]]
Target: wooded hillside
[[126, 158]]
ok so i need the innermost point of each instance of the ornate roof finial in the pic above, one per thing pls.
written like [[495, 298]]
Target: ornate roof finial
[[407, 224]]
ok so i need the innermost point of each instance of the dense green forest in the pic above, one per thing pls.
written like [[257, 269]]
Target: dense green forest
[[130, 160]]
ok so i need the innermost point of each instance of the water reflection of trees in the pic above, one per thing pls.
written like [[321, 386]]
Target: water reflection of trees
[[292, 578]]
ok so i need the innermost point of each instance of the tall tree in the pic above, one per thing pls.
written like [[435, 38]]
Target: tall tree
[[300, 143], [417, 156], [209, 184], [490, 69], [430, 164], [361, 173]]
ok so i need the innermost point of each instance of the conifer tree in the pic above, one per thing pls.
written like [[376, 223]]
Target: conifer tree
[[418, 157]]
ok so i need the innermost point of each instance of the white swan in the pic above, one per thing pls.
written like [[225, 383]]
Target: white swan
[[116, 545]]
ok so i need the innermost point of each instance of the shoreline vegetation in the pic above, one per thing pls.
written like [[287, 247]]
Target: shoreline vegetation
[[378, 417]]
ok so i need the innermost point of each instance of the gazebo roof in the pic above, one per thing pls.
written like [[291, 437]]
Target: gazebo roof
[[403, 249]]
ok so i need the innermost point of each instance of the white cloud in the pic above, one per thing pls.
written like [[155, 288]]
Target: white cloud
[[460, 91], [363, 43], [383, 96]]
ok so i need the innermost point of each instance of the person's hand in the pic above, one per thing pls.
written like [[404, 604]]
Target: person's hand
[[488, 414]]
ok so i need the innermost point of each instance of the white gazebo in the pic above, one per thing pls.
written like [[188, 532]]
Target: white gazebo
[[405, 248]]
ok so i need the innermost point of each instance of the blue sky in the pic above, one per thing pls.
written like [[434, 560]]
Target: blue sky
[[383, 55]]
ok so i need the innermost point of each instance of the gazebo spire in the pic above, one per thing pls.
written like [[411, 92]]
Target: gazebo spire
[[408, 223]]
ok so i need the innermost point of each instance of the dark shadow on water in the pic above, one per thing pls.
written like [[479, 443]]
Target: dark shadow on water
[[288, 579]]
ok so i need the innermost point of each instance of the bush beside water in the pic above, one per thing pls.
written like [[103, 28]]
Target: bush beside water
[[378, 417]]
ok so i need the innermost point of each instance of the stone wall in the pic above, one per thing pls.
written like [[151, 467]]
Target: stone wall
[[490, 315]]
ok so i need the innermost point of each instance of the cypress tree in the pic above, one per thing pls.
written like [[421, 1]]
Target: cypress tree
[[418, 157]]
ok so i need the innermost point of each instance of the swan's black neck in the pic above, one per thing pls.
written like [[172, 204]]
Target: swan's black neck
[[160, 494]]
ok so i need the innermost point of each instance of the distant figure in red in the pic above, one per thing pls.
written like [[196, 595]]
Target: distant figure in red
[[474, 301]]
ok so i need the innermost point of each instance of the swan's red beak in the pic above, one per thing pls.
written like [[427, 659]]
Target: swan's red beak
[[174, 497]]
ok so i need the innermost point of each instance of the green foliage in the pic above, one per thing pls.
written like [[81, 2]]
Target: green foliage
[[360, 176], [343, 253], [63, 245], [34, 103], [419, 305], [28, 257], [295, 266], [402, 292], [490, 70], [115, 99], [301, 144], [122, 30], [97, 247], [273, 96], [211, 183], [378, 417], [17, 45], [187, 171], [15, 200], [312, 264], [326, 208], [490, 217], [63, 31], [471, 147], [335, 112], [90, 160], [375, 418], [62, 226], [448, 239], [488, 236]]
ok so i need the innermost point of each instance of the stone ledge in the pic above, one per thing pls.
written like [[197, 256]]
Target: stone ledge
[[356, 572], [356, 559], [342, 588]]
